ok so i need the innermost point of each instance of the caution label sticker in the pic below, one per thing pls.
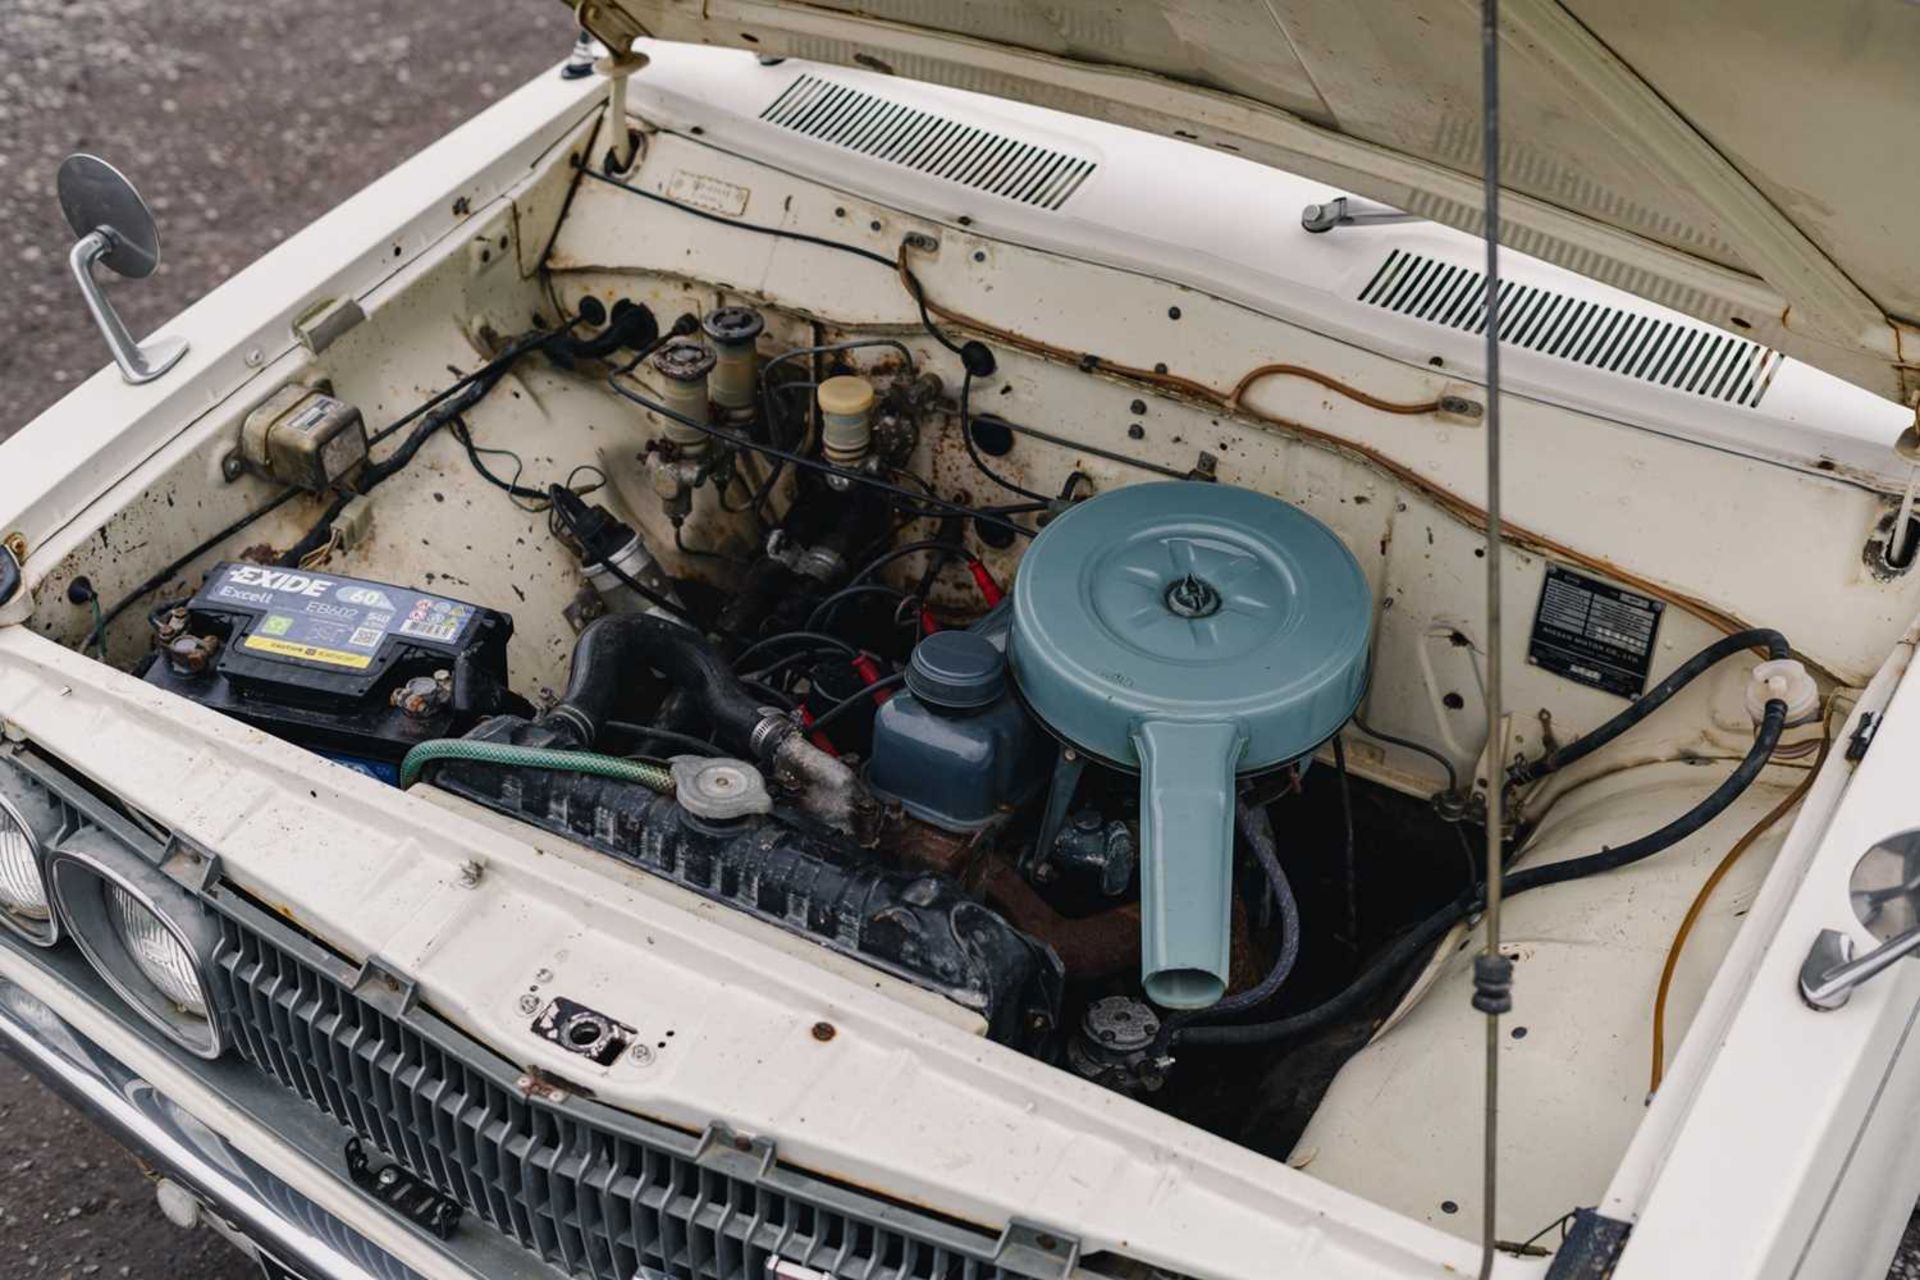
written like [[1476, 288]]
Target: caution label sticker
[[308, 652]]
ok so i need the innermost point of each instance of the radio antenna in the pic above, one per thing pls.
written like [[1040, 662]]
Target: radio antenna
[[1492, 970]]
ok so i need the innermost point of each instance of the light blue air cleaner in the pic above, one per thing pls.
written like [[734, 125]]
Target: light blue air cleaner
[[1193, 632]]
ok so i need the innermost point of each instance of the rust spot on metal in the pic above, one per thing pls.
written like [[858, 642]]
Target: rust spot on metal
[[1094, 946], [824, 1031]]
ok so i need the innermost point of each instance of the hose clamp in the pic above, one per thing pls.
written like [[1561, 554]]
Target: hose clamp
[[773, 729], [583, 727]]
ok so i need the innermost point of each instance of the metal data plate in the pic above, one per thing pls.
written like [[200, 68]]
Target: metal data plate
[[1594, 633]]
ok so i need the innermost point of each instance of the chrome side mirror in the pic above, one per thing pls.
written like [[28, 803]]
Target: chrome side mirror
[[1885, 893], [117, 230]]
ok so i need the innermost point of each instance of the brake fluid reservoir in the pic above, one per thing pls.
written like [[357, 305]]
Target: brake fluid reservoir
[[733, 331], [683, 367], [955, 749], [1195, 633]]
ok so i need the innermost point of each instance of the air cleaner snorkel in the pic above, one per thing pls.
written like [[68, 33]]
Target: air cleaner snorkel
[[1196, 633]]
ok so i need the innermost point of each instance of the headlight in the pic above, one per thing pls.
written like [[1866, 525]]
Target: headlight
[[150, 938], [29, 819], [155, 951]]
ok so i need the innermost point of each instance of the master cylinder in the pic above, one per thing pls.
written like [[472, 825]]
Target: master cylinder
[[683, 367], [735, 380]]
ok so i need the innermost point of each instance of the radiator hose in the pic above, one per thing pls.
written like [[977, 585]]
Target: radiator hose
[[612, 648]]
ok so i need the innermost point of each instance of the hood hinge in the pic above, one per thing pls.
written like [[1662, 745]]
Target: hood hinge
[[610, 24]]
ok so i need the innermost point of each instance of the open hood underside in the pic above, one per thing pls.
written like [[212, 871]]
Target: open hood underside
[[1738, 160]]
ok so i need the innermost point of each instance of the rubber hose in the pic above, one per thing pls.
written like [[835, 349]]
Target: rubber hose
[[606, 654], [1435, 926], [1677, 679], [1256, 828], [652, 776], [1679, 829]]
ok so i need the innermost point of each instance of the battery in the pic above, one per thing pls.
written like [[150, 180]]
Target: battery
[[358, 671]]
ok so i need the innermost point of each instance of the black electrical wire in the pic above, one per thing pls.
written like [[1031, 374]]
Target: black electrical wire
[[770, 407], [819, 639], [885, 558], [817, 619], [626, 579], [1428, 931], [1348, 869], [442, 409], [701, 553], [643, 732], [510, 485], [1420, 748], [787, 661], [825, 468], [777, 233], [926, 319], [835, 348], [160, 579], [685, 325], [1643, 706], [497, 364], [936, 565], [318, 535], [445, 412], [491, 368], [825, 719], [973, 449], [894, 264], [785, 700]]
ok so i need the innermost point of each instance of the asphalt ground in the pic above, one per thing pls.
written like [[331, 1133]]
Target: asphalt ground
[[240, 123]]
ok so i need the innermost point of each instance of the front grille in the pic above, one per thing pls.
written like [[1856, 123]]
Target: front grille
[[593, 1191]]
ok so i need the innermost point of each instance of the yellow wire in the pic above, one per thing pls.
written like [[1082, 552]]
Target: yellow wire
[[1699, 903]]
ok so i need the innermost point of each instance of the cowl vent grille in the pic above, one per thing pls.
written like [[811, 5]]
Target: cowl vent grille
[[996, 163], [1685, 357]]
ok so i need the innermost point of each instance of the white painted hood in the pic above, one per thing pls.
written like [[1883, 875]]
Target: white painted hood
[[1738, 160]]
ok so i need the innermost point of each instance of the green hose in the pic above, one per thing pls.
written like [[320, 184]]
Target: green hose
[[652, 776]]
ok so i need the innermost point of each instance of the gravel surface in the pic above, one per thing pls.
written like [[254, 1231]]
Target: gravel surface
[[240, 123]]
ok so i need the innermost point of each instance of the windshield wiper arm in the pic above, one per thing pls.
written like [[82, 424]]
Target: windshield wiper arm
[[1346, 211]]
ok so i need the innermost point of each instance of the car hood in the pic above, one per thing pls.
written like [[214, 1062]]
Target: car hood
[[1738, 160]]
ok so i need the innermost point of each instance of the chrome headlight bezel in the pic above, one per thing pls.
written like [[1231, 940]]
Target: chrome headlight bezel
[[80, 872], [39, 818]]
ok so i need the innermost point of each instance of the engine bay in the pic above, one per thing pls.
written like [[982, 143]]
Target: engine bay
[[1136, 718]]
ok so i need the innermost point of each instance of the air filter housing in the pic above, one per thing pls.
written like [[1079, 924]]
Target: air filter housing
[[1194, 633]]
